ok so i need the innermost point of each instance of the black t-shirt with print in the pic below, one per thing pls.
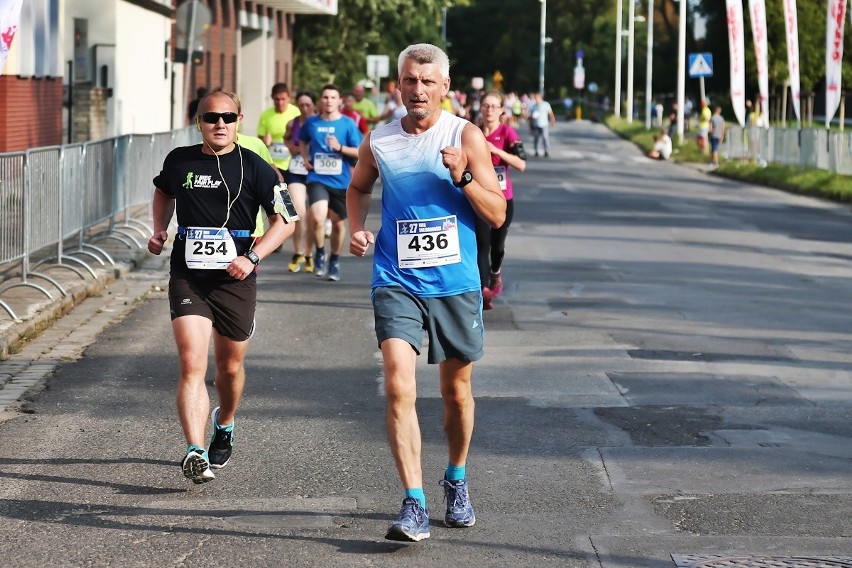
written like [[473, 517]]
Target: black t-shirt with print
[[193, 178]]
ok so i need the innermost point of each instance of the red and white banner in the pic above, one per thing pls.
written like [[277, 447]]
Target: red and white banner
[[791, 21], [10, 19], [737, 48], [836, 18], [757, 15]]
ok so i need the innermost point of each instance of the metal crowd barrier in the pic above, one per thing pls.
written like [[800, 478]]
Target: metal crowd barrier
[[60, 201], [808, 147]]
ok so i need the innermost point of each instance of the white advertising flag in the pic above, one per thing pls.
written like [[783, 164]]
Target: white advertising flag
[[737, 49], [757, 15], [791, 20], [10, 18], [836, 18]]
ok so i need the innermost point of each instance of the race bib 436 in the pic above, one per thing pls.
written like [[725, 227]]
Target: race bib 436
[[422, 243]]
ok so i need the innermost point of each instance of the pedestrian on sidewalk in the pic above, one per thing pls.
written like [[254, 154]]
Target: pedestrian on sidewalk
[[542, 120], [717, 134], [437, 177], [216, 188]]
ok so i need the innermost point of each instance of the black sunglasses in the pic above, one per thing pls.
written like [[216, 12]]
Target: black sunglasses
[[213, 117]]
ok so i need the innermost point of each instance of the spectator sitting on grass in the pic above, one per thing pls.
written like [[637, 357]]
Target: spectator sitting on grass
[[662, 149]]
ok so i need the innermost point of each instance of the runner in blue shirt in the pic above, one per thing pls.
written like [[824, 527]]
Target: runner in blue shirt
[[329, 146]]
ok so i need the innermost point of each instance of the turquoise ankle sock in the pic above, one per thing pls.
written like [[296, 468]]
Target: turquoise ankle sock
[[455, 472], [417, 493], [191, 447]]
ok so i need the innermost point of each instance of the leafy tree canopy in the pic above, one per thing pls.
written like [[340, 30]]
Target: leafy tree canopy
[[485, 36], [335, 48]]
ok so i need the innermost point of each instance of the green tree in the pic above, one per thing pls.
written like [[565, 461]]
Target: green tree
[[335, 48], [504, 35]]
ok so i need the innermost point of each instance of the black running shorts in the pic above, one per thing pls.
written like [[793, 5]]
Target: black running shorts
[[230, 304], [336, 197]]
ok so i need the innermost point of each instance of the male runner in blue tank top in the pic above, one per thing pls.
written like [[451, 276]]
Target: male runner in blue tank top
[[436, 178]]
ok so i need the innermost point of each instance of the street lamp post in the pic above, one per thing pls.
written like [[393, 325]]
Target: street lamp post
[[681, 70], [649, 66], [444, 28], [542, 41], [619, 16], [631, 26]]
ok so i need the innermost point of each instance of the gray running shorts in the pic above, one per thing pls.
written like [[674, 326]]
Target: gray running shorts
[[453, 324]]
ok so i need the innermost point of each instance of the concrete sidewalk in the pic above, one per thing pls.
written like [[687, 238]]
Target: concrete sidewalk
[[58, 327]]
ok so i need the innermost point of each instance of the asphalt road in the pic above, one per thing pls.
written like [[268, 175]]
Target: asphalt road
[[667, 378]]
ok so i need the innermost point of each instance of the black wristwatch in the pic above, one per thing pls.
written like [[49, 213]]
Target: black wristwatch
[[466, 178], [252, 256]]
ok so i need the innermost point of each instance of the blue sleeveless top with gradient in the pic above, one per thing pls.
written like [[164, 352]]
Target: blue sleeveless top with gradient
[[417, 185]]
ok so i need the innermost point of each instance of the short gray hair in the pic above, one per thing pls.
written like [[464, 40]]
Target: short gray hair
[[425, 53]]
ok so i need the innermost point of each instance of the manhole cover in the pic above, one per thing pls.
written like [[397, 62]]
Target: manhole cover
[[728, 561]]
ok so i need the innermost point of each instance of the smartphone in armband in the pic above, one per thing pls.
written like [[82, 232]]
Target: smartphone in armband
[[284, 204], [518, 150]]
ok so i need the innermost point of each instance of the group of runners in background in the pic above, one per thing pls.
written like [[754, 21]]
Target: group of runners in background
[[316, 162]]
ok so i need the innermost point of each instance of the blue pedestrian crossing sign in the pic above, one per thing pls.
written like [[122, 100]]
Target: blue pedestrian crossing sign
[[700, 64]]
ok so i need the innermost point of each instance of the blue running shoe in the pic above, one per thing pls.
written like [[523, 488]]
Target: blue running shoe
[[459, 508], [196, 467], [334, 270], [320, 266], [221, 444], [412, 524]]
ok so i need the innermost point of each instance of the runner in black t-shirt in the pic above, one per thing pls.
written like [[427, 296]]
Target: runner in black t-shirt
[[216, 188]]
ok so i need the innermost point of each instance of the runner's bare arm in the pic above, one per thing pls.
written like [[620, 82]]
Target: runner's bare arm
[[359, 197], [484, 191], [163, 207]]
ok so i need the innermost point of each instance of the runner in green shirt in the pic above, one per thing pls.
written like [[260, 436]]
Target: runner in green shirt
[[273, 124]]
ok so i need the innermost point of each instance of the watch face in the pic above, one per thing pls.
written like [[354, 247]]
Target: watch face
[[466, 178]]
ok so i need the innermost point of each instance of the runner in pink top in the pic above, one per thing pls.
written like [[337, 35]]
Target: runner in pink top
[[506, 151]]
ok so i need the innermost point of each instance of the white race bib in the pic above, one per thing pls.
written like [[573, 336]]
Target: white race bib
[[328, 164], [297, 166], [501, 176], [208, 248], [422, 243], [279, 151]]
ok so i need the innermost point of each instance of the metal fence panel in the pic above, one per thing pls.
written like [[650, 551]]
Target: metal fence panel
[[12, 167], [98, 191], [841, 153], [43, 197], [73, 184], [808, 147], [121, 173], [786, 146], [141, 168]]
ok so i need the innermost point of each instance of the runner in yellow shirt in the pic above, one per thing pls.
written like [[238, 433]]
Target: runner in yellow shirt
[[271, 127]]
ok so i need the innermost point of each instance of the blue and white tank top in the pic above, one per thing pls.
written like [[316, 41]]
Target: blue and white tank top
[[427, 242]]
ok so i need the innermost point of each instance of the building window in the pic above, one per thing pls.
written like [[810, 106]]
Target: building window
[[226, 14]]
